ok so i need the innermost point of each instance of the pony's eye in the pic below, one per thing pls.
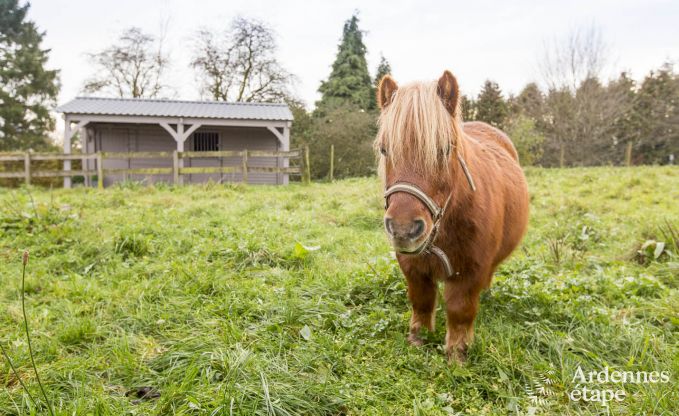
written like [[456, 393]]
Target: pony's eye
[[383, 151]]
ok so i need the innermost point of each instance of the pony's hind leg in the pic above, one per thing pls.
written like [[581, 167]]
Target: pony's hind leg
[[422, 295], [462, 304]]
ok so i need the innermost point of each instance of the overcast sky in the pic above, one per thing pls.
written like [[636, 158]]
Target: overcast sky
[[476, 40]]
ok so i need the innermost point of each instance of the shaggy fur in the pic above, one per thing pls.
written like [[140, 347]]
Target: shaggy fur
[[420, 135]]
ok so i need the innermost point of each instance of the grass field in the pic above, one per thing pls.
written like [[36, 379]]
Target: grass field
[[264, 300]]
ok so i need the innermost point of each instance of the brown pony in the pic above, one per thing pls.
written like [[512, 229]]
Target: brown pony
[[456, 202]]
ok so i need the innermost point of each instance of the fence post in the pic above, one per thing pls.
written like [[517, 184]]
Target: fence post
[[85, 167], [126, 176], [175, 167], [100, 170], [245, 166], [27, 168], [628, 154], [307, 168], [332, 162]]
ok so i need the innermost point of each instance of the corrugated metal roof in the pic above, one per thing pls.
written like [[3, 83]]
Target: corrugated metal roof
[[175, 108]]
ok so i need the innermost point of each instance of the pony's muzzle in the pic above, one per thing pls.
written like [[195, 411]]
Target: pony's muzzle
[[406, 236]]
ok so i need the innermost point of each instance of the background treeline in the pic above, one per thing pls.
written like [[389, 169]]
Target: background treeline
[[576, 119], [573, 117], [621, 122]]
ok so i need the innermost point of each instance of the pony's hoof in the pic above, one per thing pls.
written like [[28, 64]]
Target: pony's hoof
[[457, 355], [415, 340]]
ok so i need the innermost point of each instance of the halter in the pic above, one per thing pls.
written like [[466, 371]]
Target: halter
[[436, 211]]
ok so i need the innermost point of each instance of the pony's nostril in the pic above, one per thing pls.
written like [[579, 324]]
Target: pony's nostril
[[388, 225], [417, 230]]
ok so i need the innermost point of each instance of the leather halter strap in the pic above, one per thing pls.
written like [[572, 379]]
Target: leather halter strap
[[418, 193], [436, 211]]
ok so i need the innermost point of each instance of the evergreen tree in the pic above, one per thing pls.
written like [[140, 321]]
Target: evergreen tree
[[27, 89], [530, 102], [491, 107], [657, 103], [628, 123], [468, 108], [384, 68], [349, 82]]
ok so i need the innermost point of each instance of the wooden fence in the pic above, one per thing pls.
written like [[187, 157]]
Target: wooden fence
[[298, 164]]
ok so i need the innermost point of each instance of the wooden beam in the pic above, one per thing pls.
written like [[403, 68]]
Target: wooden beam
[[27, 168], [307, 168], [331, 173], [207, 169], [276, 133], [68, 134], [286, 148], [221, 153], [11, 175], [175, 167], [57, 156], [244, 176], [79, 126], [141, 171], [100, 170], [15, 157], [170, 130], [58, 173], [191, 130], [180, 130], [137, 155], [101, 118]]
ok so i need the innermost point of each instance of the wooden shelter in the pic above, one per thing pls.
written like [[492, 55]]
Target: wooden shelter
[[149, 125]]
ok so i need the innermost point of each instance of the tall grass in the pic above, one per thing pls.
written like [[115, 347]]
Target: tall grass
[[245, 300], [48, 403]]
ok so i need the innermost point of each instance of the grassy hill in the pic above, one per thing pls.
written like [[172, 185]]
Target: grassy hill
[[265, 300]]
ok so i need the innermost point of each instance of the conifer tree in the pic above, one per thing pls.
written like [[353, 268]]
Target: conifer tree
[[27, 89], [490, 106], [384, 68], [349, 83], [657, 102]]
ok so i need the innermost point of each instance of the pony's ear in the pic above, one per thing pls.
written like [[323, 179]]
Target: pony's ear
[[385, 91], [448, 90]]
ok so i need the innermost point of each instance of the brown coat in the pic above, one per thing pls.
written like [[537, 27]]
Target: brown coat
[[479, 228]]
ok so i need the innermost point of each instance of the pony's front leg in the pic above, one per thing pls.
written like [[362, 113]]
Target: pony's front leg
[[422, 295], [462, 304]]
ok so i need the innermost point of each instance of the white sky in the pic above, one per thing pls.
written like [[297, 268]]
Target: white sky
[[476, 40]]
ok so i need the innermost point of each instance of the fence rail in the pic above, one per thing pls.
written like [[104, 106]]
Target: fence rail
[[93, 164]]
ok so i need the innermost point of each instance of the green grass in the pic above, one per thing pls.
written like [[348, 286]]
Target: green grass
[[204, 294]]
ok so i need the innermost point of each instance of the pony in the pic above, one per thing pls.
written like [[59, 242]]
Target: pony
[[456, 202]]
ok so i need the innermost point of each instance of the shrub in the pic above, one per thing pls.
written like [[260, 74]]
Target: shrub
[[527, 139]]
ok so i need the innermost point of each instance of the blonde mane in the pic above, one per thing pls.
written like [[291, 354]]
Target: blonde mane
[[415, 129]]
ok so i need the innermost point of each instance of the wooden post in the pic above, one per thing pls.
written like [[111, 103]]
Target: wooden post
[[85, 161], [245, 166], [628, 154], [175, 167], [100, 170], [332, 162], [307, 168], [126, 176], [86, 170], [27, 168], [67, 150]]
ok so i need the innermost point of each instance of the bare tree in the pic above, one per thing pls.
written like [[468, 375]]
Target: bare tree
[[132, 67], [240, 64], [580, 110], [567, 62]]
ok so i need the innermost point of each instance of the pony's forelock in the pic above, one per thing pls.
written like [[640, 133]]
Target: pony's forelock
[[417, 131]]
